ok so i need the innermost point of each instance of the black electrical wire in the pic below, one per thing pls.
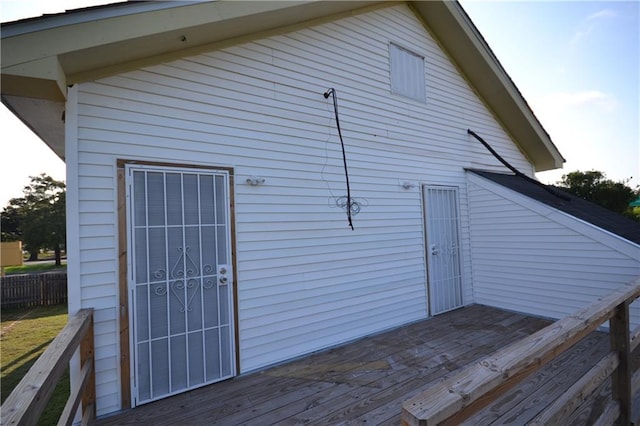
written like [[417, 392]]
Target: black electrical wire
[[328, 93], [514, 170]]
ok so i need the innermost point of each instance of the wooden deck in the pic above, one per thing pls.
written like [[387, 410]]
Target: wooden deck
[[365, 382]]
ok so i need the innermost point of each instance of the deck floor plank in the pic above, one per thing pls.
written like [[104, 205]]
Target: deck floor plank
[[414, 377], [366, 381], [384, 383]]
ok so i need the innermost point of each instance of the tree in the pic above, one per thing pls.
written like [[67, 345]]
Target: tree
[[594, 186], [10, 224], [37, 218]]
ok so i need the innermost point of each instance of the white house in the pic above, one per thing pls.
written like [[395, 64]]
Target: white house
[[207, 186]]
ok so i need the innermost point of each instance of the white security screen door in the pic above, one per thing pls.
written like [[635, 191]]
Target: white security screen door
[[180, 278], [443, 248]]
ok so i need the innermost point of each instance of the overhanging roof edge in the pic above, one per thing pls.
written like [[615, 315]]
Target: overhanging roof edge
[[495, 87], [460, 38], [87, 14]]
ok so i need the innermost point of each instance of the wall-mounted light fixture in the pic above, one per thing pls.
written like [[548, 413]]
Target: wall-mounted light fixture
[[407, 185], [255, 180]]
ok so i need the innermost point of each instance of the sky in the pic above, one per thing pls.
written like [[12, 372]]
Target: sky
[[577, 63], [578, 66]]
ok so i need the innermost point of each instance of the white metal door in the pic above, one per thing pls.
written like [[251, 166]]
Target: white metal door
[[181, 300], [443, 248]]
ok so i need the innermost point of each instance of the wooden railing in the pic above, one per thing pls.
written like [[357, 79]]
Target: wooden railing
[[25, 404], [478, 385]]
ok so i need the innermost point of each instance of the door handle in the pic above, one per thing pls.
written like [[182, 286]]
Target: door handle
[[434, 250], [223, 279]]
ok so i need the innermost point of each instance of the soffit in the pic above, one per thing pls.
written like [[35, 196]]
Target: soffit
[[89, 49], [45, 58]]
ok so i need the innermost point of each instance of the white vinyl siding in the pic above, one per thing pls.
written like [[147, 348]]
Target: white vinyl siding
[[305, 280], [531, 258], [407, 73]]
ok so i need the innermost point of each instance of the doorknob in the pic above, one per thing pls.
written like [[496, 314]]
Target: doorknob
[[434, 250], [222, 274]]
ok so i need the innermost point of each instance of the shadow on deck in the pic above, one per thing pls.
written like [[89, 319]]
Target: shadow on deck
[[366, 381]]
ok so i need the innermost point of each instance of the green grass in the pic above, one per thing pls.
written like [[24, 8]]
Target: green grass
[[26, 333], [37, 267]]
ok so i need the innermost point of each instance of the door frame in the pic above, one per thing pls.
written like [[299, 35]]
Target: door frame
[[428, 263], [126, 399]]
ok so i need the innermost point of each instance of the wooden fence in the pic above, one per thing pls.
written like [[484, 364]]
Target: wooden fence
[[460, 396], [25, 291], [24, 406]]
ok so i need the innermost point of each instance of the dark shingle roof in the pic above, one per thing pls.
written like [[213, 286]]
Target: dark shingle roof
[[568, 203]]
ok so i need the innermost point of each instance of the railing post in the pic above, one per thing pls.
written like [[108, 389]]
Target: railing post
[[621, 378], [87, 355]]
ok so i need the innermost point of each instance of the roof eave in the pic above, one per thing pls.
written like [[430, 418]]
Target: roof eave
[[39, 61], [462, 41], [42, 56]]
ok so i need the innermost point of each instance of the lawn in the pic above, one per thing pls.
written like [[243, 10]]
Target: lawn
[[27, 268], [25, 334]]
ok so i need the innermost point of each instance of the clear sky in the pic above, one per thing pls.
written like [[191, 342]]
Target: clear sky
[[576, 63]]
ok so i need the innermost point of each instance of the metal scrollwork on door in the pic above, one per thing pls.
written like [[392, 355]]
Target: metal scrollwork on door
[[177, 288], [190, 268], [183, 276]]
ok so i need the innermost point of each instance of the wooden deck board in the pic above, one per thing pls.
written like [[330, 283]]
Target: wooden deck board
[[527, 399], [407, 382], [365, 382]]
